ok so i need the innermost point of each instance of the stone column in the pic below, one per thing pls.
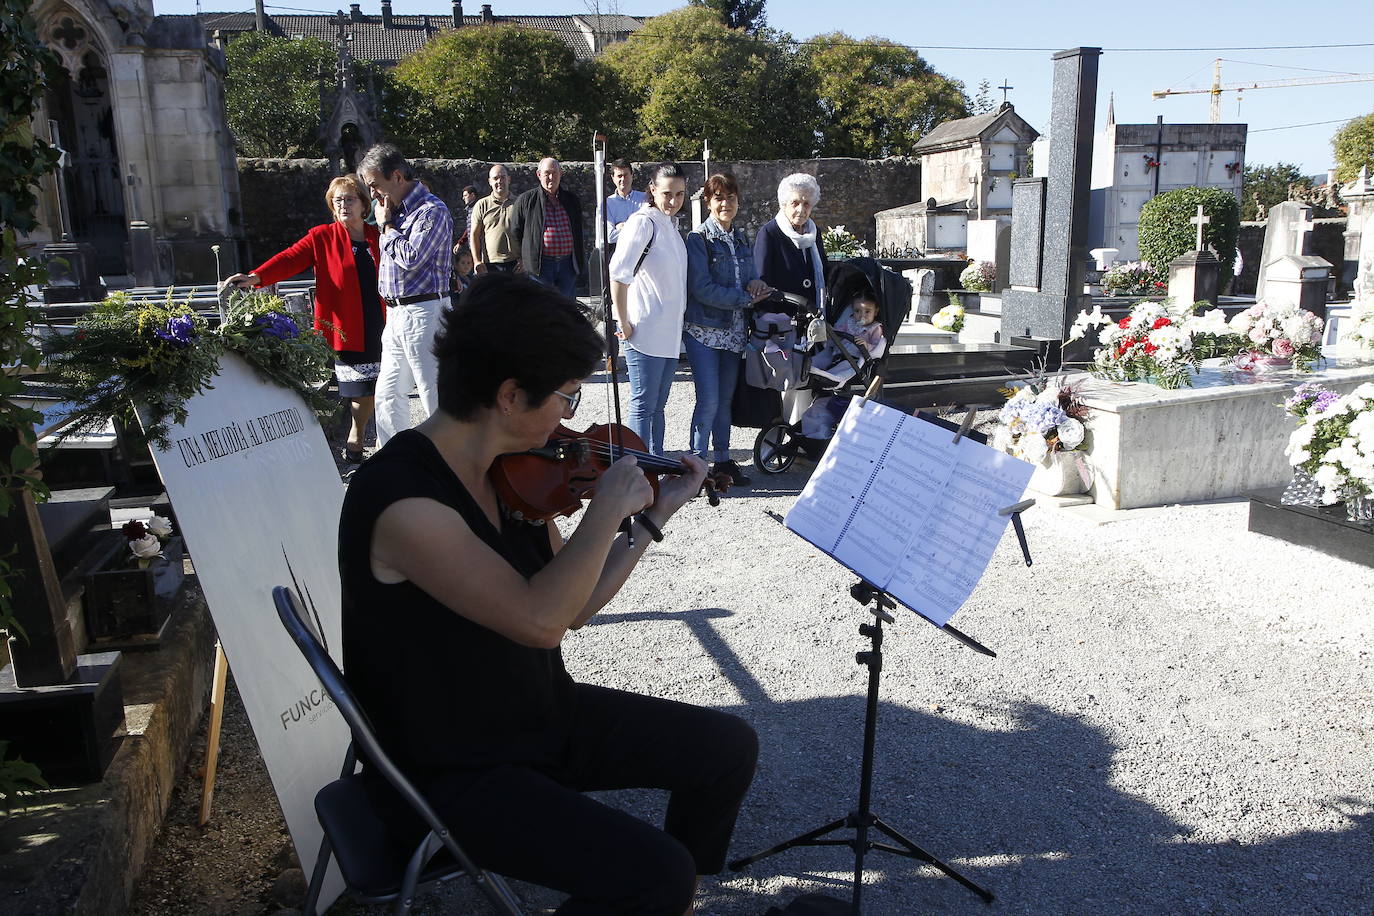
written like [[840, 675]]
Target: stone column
[[1047, 308]]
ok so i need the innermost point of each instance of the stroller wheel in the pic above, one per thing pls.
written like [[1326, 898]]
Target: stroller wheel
[[775, 449]]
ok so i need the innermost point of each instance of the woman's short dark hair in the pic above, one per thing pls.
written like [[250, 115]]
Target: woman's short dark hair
[[510, 327], [664, 171], [722, 183]]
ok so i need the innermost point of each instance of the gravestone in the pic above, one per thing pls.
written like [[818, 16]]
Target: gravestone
[[1298, 280], [1288, 231], [1048, 265], [1003, 259], [923, 292], [1193, 277]]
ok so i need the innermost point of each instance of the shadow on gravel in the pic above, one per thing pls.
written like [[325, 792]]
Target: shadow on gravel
[[1027, 810], [1029, 813]]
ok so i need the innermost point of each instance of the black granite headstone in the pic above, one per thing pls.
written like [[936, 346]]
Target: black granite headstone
[[1027, 231], [1046, 309]]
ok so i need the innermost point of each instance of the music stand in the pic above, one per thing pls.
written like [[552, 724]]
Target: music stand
[[863, 820]]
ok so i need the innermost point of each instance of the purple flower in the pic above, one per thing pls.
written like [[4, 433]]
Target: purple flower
[[1309, 398], [278, 325], [179, 331], [1043, 417]]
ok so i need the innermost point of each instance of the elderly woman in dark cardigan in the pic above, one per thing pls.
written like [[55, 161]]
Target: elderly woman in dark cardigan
[[789, 256]]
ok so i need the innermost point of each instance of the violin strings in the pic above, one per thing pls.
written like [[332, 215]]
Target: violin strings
[[654, 462]]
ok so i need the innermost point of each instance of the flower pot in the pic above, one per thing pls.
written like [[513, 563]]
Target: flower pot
[[1060, 474], [124, 600], [1302, 490], [1360, 508]]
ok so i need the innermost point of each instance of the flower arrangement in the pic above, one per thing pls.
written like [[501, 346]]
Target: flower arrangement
[[949, 318], [1133, 278], [1309, 398], [841, 243], [158, 354], [1149, 344], [1212, 337], [1282, 332], [1361, 333], [1336, 444], [979, 276], [1039, 418], [146, 538]]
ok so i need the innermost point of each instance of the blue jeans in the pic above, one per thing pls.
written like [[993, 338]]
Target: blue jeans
[[559, 273], [651, 378], [713, 374]]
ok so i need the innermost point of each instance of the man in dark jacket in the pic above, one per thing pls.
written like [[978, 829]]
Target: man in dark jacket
[[547, 223]]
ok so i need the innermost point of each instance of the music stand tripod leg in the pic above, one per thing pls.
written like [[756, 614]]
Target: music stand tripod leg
[[863, 819]]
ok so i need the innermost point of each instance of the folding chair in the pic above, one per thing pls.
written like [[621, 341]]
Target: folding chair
[[375, 869]]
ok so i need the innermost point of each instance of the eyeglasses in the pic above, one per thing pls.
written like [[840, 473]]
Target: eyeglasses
[[573, 399], [345, 200]]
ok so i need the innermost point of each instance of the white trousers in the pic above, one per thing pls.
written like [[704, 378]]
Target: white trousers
[[407, 363]]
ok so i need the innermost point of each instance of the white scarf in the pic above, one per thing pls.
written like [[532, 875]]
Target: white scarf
[[804, 240]]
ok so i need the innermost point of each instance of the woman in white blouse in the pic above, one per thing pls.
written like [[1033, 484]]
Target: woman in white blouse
[[649, 290]]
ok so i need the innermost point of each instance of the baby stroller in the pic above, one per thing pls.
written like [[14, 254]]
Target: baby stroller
[[813, 407]]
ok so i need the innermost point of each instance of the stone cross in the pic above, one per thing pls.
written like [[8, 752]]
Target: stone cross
[[1005, 87], [1200, 220]]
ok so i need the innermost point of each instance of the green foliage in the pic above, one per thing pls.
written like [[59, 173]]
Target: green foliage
[[877, 98], [747, 15], [156, 355], [1354, 147], [982, 99], [17, 779], [686, 77], [272, 93], [1165, 232], [499, 93], [1270, 183]]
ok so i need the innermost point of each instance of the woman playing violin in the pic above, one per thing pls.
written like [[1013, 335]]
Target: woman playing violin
[[454, 612]]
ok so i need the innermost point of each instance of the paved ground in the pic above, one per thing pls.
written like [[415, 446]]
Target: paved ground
[[1179, 719]]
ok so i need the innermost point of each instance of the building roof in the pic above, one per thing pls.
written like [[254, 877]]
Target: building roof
[[963, 131], [408, 34]]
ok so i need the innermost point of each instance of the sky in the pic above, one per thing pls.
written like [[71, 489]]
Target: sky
[[1290, 124]]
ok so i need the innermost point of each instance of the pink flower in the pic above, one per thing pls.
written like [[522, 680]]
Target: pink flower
[[1259, 335], [1283, 348]]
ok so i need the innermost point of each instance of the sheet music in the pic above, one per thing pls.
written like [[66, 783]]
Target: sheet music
[[899, 503]]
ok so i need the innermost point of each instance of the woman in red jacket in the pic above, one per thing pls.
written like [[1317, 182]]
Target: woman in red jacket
[[348, 311]]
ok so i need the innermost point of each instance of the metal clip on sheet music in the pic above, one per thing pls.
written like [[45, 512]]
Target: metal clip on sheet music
[[1015, 512]]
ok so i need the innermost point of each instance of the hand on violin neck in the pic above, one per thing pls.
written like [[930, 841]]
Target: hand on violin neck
[[675, 492]]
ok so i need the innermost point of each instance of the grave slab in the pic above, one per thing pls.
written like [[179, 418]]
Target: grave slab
[[1223, 437], [1325, 528]]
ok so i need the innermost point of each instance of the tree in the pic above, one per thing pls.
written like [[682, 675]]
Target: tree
[[982, 99], [1264, 186], [1166, 233], [498, 93], [1354, 146], [877, 98], [747, 15], [688, 77], [272, 93]]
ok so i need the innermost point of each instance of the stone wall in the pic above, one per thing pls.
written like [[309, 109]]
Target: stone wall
[[282, 198], [1328, 241]]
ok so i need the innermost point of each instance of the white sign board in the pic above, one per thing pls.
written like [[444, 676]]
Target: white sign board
[[257, 498]]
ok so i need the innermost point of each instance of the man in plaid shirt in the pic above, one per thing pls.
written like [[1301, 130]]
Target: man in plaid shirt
[[547, 223], [413, 280]]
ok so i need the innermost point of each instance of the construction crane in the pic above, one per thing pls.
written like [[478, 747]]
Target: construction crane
[[1217, 88]]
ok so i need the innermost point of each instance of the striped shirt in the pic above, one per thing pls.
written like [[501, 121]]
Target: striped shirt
[[558, 240], [418, 250]]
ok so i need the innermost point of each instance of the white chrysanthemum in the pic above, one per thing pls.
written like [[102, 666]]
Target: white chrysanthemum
[[1001, 439], [1048, 396], [1242, 323], [1071, 433], [1033, 447]]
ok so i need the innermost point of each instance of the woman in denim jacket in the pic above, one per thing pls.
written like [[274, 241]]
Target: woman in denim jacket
[[722, 282]]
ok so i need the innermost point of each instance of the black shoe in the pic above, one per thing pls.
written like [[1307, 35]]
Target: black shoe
[[351, 457], [732, 470]]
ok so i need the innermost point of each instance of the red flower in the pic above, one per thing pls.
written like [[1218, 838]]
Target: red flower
[[1124, 323], [1150, 348], [134, 530], [1160, 323]]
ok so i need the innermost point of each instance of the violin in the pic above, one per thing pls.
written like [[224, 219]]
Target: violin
[[542, 483]]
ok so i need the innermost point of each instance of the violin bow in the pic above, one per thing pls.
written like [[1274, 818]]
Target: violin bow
[[613, 438]]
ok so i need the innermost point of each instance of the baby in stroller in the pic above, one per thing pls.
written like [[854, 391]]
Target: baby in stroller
[[857, 337]]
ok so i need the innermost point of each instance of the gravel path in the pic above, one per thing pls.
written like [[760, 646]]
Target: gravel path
[[1179, 719]]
